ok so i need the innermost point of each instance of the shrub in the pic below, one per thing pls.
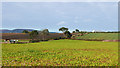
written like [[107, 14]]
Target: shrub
[[33, 41], [56, 38], [63, 38]]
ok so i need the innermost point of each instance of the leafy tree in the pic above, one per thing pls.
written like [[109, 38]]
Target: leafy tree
[[73, 32], [25, 31], [45, 32], [77, 31], [33, 34], [68, 34], [63, 29]]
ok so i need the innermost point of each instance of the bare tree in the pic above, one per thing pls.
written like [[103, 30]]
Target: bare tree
[[44, 32]]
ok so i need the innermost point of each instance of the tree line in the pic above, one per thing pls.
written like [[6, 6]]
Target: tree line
[[33, 34]]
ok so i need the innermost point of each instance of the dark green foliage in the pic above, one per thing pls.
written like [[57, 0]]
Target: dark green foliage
[[68, 34], [33, 34], [33, 41], [63, 29], [57, 38], [62, 38], [82, 32], [77, 31], [25, 31], [73, 32]]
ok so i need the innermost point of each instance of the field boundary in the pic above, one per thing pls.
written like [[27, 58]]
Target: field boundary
[[98, 40]]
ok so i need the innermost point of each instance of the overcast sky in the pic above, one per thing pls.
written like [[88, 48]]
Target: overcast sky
[[53, 15]]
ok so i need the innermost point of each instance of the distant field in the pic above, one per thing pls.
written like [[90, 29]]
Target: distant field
[[100, 36], [61, 53]]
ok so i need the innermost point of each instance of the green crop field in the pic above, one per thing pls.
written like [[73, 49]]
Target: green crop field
[[61, 53], [100, 36]]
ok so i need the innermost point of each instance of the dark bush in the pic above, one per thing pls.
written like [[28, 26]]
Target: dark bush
[[56, 38], [21, 42], [62, 38], [33, 41]]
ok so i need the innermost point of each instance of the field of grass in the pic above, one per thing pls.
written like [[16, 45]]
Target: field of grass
[[61, 53], [100, 36]]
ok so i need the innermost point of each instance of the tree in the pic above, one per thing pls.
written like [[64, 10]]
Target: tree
[[25, 31], [77, 31], [33, 34], [68, 34], [44, 33], [63, 29], [73, 32]]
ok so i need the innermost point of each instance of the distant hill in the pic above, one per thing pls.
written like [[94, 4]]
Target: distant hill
[[5, 31], [14, 31], [17, 30], [20, 30]]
